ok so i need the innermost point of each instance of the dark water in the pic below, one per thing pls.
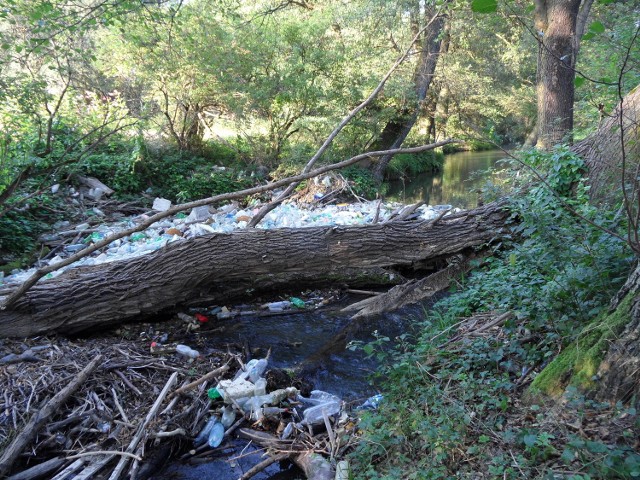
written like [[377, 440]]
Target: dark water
[[315, 343], [464, 173]]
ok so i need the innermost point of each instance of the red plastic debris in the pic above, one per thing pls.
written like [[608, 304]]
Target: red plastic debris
[[202, 318]]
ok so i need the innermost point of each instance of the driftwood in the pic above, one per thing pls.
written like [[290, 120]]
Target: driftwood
[[218, 267], [314, 465], [40, 470], [142, 429], [410, 292], [38, 419]]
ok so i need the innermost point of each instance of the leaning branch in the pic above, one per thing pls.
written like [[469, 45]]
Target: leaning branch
[[350, 116], [41, 272]]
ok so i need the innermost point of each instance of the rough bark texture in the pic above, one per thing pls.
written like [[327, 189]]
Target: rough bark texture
[[619, 372], [602, 151], [396, 131], [556, 22], [212, 267]]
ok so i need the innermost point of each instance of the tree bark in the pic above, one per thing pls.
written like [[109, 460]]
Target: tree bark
[[397, 129], [216, 267], [603, 151], [619, 372], [556, 22]]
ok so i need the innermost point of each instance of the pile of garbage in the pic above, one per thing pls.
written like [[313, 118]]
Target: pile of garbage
[[68, 240], [206, 405]]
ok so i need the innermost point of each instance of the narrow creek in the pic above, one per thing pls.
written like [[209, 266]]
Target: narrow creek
[[462, 175], [316, 341]]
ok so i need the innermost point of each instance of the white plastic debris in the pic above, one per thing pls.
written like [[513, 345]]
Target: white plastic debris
[[161, 204], [226, 219]]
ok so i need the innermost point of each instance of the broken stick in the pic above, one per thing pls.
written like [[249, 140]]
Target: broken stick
[[38, 419]]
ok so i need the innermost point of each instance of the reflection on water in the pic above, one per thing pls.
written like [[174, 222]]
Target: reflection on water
[[462, 176]]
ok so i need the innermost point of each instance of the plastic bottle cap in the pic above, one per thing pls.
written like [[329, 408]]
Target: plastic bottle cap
[[213, 394]]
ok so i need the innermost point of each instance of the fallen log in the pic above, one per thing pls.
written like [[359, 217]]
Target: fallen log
[[215, 268], [410, 292]]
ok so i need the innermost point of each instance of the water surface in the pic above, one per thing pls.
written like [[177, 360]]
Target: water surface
[[458, 184]]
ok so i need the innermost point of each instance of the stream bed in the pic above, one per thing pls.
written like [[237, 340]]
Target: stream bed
[[315, 344]]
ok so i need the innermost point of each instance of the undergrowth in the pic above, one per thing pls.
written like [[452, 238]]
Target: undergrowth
[[452, 405]]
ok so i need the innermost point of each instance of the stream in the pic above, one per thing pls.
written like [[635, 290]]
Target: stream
[[462, 176], [316, 341]]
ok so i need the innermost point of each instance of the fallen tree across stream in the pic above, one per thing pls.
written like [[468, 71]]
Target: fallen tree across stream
[[220, 267]]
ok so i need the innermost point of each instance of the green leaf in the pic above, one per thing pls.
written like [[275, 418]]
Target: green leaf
[[368, 349], [5, 46], [484, 6], [588, 36], [578, 81], [596, 27]]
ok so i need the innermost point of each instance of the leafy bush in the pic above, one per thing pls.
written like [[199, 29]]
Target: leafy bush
[[412, 164], [448, 407], [362, 181]]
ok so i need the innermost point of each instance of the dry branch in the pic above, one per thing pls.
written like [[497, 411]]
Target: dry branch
[[38, 419]]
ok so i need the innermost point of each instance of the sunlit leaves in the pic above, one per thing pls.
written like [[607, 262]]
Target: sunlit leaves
[[484, 6]]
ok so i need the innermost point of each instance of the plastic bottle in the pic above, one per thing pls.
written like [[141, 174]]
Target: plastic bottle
[[204, 433], [315, 415], [371, 403], [216, 435], [187, 351], [257, 370], [261, 387], [228, 416], [247, 368]]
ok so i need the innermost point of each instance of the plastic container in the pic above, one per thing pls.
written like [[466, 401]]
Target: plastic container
[[261, 387], [203, 436], [315, 416], [244, 374], [187, 351], [257, 370], [228, 416], [216, 435], [371, 403]]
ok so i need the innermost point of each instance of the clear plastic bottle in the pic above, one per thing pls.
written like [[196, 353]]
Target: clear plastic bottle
[[228, 416], [315, 415], [204, 433], [261, 387], [216, 435], [187, 351], [257, 370]]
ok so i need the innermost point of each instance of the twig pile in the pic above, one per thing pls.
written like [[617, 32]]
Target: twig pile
[[127, 399]]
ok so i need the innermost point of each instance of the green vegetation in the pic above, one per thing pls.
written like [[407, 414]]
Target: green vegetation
[[188, 99], [449, 402]]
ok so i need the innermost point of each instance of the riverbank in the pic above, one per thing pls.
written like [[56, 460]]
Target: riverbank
[[460, 398]]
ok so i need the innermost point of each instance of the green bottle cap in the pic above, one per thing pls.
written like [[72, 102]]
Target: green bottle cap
[[213, 394]]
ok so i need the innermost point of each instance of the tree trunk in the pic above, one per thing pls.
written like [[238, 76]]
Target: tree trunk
[[619, 372], [556, 23], [608, 163], [217, 267], [397, 129]]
